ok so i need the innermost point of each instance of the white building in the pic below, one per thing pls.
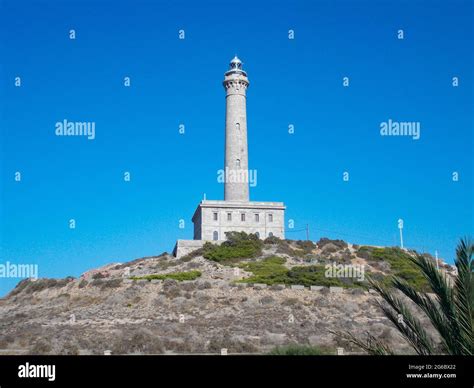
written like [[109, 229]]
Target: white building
[[212, 219]]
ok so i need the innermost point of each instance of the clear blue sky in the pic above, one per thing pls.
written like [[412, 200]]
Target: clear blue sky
[[176, 81]]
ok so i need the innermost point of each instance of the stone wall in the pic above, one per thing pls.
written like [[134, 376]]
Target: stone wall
[[184, 247]]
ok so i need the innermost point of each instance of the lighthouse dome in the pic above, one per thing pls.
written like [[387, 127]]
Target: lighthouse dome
[[235, 67], [235, 63]]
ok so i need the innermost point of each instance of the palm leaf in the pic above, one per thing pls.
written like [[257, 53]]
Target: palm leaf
[[410, 327], [464, 295], [432, 310], [372, 345], [450, 312], [440, 287]]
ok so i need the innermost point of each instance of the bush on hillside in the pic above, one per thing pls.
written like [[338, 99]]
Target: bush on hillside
[[400, 265], [178, 276], [338, 243], [238, 245], [273, 271]]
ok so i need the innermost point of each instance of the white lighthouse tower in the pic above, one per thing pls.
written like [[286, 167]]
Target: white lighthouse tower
[[213, 218], [236, 149]]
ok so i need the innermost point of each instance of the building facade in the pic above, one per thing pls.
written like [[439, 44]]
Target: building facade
[[213, 219]]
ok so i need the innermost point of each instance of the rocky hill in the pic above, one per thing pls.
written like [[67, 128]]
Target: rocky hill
[[240, 296]]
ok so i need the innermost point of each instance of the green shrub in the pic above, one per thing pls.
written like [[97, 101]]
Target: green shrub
[[191, 255], [400, 265], [166, 264], [272, 240], [302, 248], [315, 275], [178, 276], [239, 245], [268, 271], [272, 271], [306, 245], [338, 243], [42, 284], [285, 249]]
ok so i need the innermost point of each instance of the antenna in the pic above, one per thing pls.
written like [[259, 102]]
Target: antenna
[[400, 226]]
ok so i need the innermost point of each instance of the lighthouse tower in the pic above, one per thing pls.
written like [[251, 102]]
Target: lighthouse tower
[[236, 149], [236, 213]]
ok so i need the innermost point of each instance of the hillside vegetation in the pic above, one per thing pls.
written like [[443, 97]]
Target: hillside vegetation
[[308, 261], [200, 304]]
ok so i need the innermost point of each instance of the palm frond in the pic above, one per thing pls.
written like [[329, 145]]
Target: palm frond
[[450, 311], [372, 345], [434, 313], [410, 327], [440, 287], [463, 296]]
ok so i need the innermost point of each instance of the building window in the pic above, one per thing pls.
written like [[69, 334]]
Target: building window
[[237, 163], [270, 217], [270, 234], [215, 235], [229, 216], [237, 126], [215, 215], [242, 217], [257, 234], [257, 217]]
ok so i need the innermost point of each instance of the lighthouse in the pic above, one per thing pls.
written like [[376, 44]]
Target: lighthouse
[[236, 213], [236, 149]]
